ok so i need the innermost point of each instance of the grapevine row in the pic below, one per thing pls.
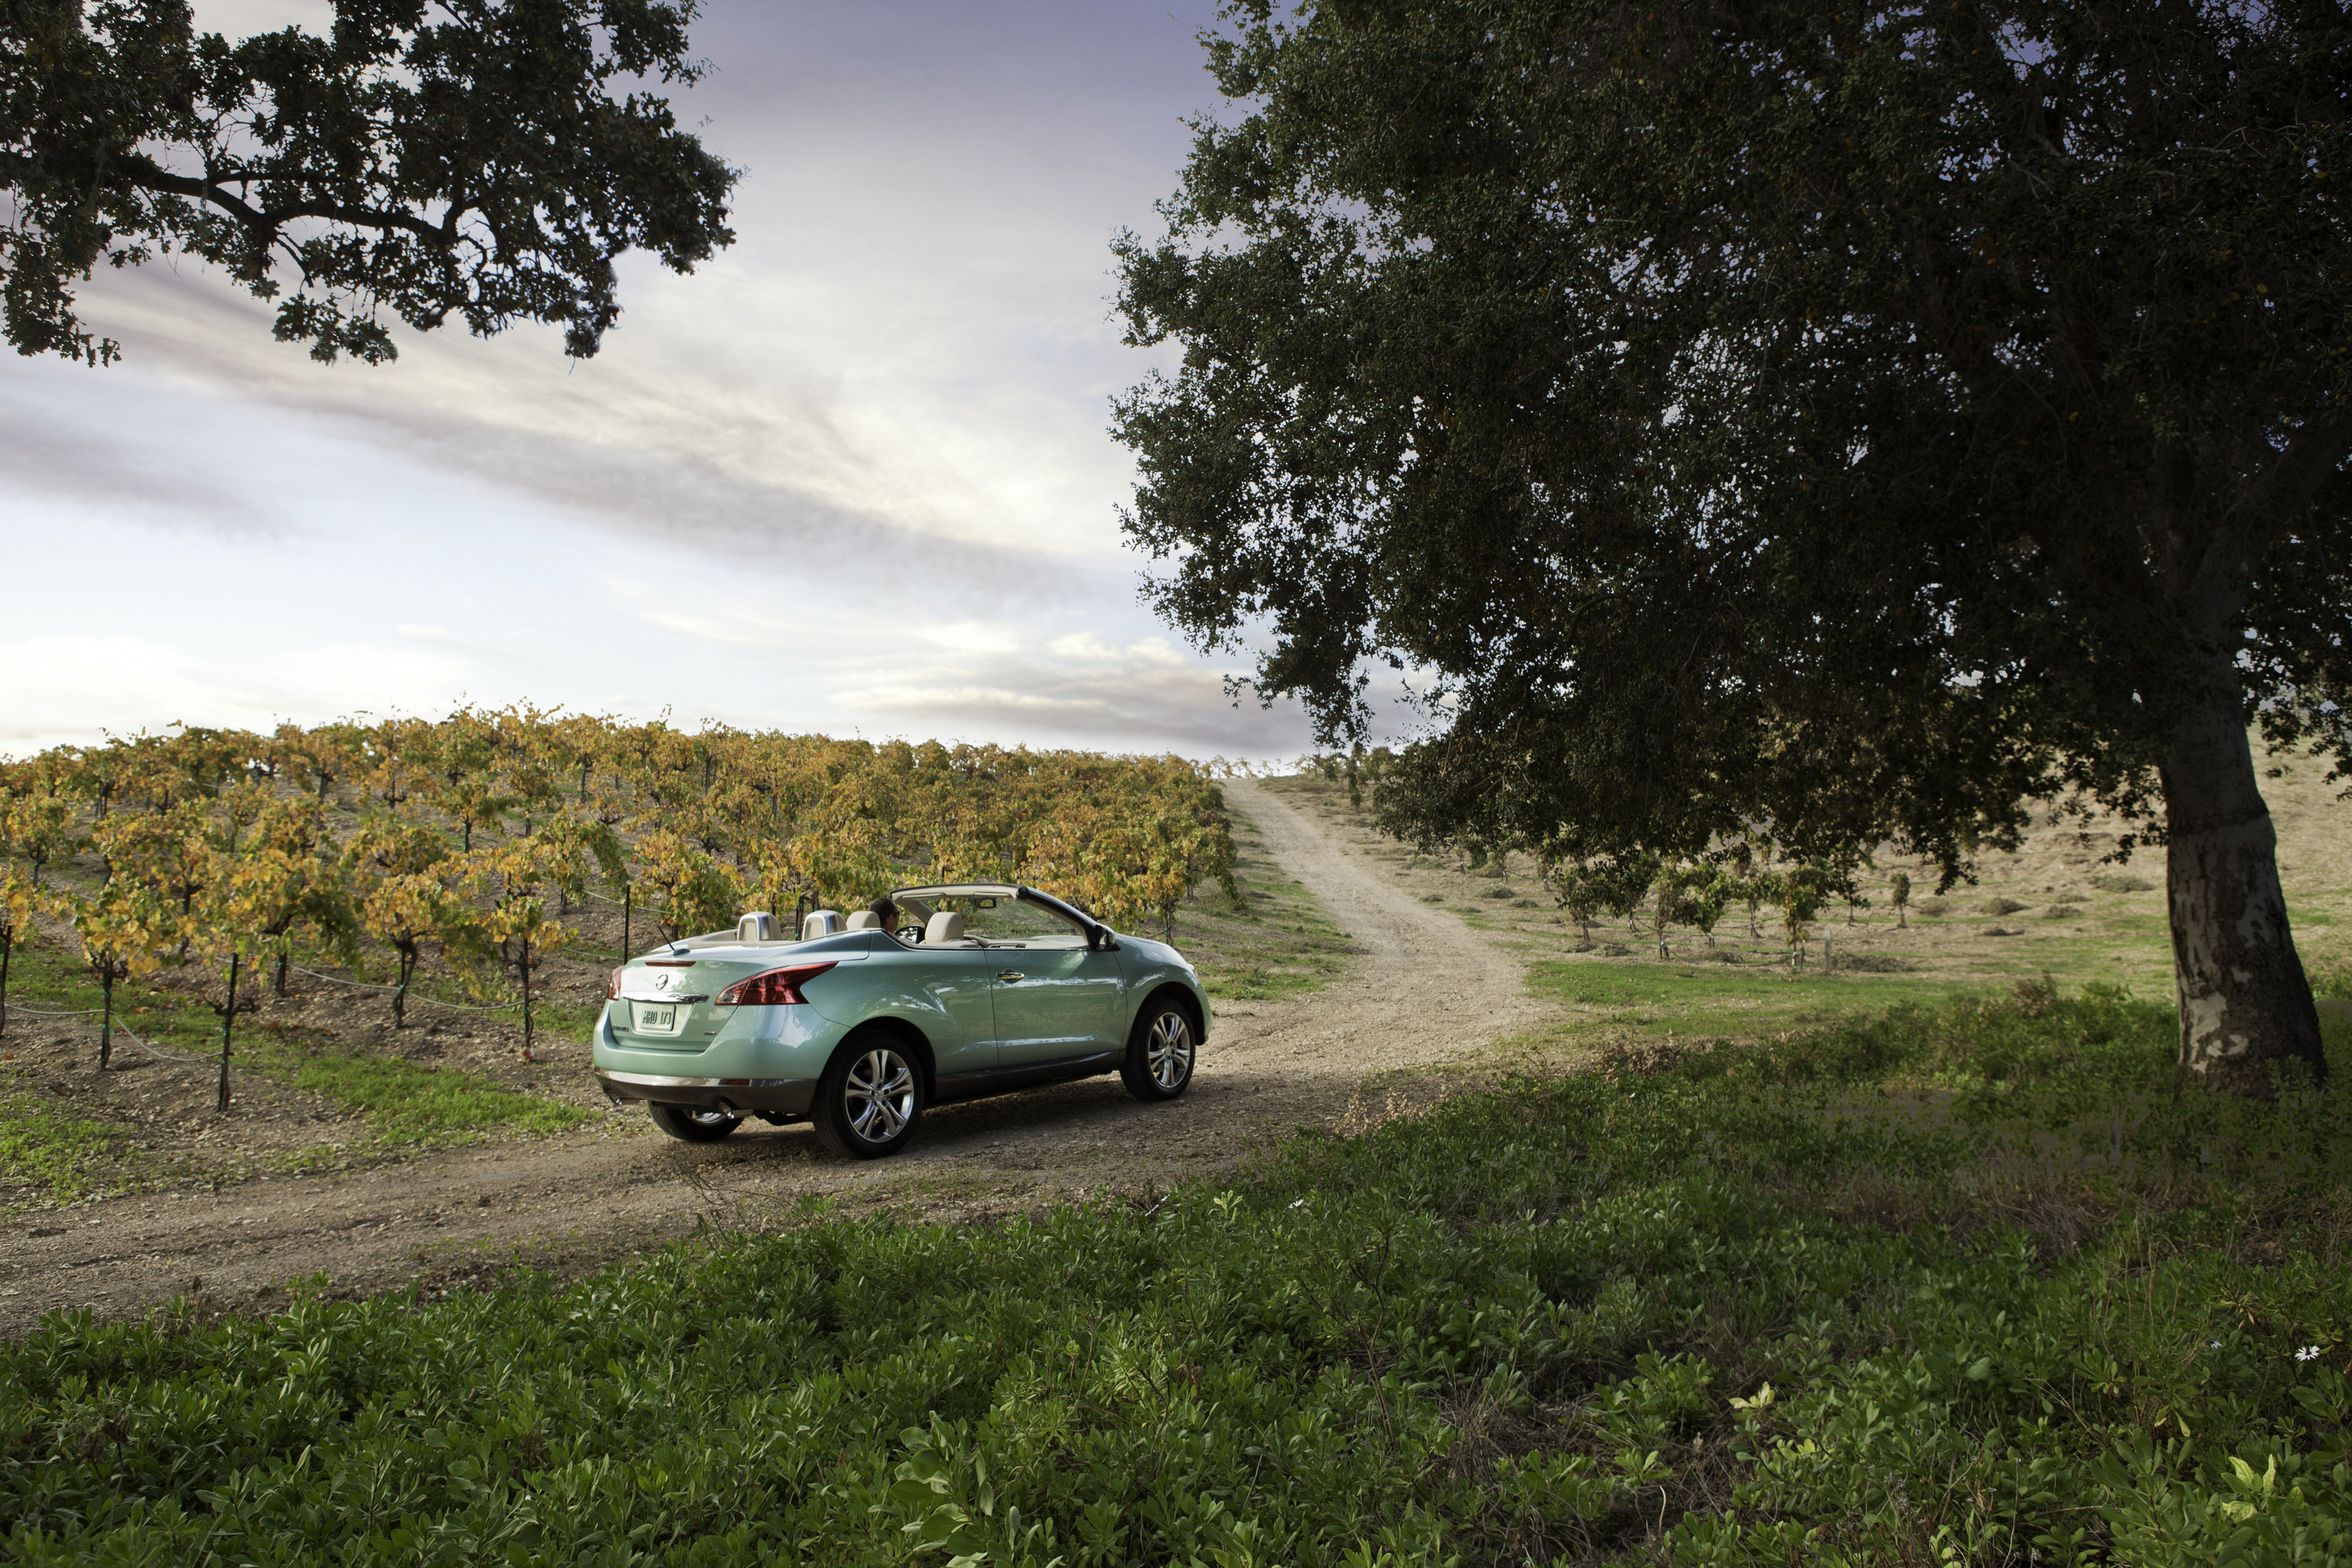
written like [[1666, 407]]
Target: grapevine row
[[474, 838]]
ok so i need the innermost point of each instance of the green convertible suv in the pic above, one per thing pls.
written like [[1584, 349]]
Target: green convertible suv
[[857, 1022]]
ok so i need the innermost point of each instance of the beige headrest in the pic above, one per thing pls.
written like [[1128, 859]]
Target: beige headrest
[[865, 920], [945, 927], [820, 922]]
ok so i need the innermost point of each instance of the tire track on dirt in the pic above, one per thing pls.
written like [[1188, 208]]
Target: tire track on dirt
[[1423, 989]]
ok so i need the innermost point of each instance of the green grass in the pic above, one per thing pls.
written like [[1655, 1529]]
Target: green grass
[[405, 1103], [2331, 977], [47, 1148], [573, 1021], [1701, 998], [1960, 1283]]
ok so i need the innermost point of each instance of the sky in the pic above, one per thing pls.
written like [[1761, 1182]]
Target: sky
[[852, 477]]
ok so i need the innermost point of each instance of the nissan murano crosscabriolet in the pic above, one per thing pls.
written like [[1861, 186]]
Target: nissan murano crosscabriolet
[[856, 1024]]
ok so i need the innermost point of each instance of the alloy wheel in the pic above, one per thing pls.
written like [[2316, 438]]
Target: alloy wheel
[[878, 1095], [1168, 1055]]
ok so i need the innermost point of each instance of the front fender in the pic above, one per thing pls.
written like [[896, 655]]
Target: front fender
[[1150, 965]]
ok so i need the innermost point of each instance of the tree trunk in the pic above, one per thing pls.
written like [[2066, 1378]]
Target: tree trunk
[[106, 1016], [527, 1055], [228, 1026], [2245, 1005]]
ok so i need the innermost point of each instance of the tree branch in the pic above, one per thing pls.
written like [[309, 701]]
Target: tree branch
[[2317, 449], [265, 223]]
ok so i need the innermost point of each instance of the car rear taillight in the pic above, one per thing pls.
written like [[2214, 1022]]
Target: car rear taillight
[[776, 988], [613, 987]]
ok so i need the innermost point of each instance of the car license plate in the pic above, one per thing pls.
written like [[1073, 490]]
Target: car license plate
[[662, 1020]]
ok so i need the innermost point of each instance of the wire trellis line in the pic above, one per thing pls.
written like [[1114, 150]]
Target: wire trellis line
[[163, 1055], [413, 995]]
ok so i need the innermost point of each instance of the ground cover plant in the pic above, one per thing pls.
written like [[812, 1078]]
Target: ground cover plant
[[1961, 1283]]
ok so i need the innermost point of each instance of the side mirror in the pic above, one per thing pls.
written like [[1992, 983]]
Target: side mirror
[[1100, 939]]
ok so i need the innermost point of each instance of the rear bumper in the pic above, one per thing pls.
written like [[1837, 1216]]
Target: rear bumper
[[763, 1096]]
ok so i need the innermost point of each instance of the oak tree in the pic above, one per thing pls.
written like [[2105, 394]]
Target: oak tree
[[1843, 423], [485, 160]]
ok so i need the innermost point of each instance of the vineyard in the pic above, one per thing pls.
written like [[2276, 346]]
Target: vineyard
[[461, 856]]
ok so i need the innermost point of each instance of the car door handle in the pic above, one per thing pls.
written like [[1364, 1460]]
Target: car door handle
[[1012, 975]]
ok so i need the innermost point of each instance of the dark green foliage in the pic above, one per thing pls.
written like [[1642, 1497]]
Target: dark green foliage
[[1536, 1324], [456, 157], [1840, 423], [1756, 412]]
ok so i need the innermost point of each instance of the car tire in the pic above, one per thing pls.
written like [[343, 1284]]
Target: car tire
[[692, 1123], [870, 1097], [1160, 1050]]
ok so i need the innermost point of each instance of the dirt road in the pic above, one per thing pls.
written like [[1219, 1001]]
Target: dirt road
[[1422, 989]]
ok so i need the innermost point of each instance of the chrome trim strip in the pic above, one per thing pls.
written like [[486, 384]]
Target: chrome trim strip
[[768, 1097], [656, 1080]]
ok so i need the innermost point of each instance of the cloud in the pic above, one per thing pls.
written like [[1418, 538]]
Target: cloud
[[122, 684], [758, 475], [111, 458], [1078, 689]]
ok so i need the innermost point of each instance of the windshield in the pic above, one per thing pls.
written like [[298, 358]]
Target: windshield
[[996, 921]]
